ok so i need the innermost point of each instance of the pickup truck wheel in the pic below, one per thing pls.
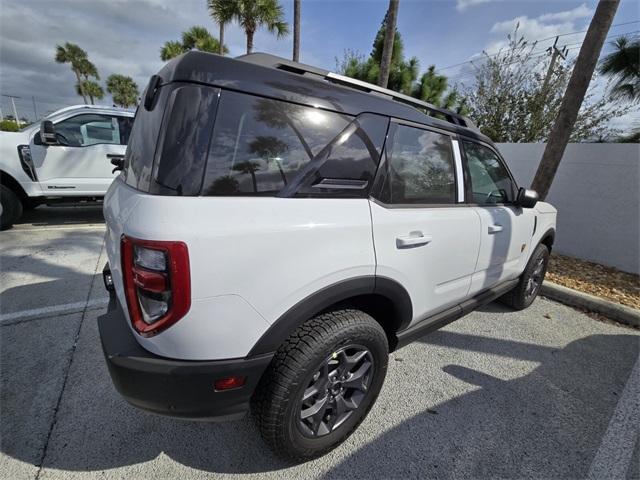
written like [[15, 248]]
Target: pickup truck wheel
[[531, 280], [321, 384], [10, 208]]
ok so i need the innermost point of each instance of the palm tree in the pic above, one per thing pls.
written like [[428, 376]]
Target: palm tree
[[574, 95], [123, 90], [389, 37], [170, 50], [92, 89], [74, 55], [197, 38], [252, 14], [221, 15], [296, 30], [623, 67], [251, 168]]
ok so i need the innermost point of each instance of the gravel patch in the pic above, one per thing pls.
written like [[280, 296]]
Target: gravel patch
[[604, 282]]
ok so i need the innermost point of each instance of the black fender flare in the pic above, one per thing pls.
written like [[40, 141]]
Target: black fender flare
[[331, 295]]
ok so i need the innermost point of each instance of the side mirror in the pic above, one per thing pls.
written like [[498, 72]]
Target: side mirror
[[527, 198], [48, 133]]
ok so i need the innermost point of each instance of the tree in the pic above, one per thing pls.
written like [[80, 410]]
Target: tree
[[403, 75], [123, 90], [296, 30], [196, 38], [222, 16], [574, 95], [252, 14], [170, 50], [509, 102], [623, 67], [92, 89], [77, 58], [388, 39]]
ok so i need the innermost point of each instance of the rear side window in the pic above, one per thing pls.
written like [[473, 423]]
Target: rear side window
[[268, 147], [419, 168]]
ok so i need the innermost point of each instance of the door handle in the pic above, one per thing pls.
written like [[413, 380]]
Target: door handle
[[495, 229], [414, 239]]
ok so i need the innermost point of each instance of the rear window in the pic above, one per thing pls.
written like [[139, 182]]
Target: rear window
[[138, 160], [268, 147]]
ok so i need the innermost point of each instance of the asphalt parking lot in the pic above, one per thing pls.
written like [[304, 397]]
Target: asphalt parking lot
[[544, 393]]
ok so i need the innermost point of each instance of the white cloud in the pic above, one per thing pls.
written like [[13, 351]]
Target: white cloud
[[462, 5], [544, 26], [577, 13]]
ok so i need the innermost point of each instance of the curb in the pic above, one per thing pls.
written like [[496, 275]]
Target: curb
[[614, 311]]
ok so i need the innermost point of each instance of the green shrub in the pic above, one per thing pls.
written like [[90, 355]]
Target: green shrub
[[9, 126]]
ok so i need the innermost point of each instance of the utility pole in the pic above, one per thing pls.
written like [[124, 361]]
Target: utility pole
[[15, 112], [574, 95], [536, 128], [555, 53], [35, 110]]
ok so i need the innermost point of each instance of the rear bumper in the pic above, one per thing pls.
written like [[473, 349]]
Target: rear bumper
[[177, 388]]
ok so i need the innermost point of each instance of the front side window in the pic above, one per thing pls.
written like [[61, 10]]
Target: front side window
[[490, 180], [269, 147], [420, 168], [88, 129]]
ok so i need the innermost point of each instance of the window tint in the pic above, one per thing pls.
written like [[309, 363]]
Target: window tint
[[125, 124], [88, 129], [268, 147], [420, 168], [141, 147], [490, 180], [184, 140]]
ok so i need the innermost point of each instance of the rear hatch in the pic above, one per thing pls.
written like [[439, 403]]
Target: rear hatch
[[174, 123]]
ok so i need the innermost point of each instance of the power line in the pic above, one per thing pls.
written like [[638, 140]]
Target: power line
[[542, 40]]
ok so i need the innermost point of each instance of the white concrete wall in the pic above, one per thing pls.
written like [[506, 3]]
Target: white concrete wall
[[597, 193]]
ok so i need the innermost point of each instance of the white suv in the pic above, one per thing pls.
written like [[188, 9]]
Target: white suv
[[278, 229], [65, 158]]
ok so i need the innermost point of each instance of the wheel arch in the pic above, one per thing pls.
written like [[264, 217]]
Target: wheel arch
[[383, 299], [548, 238], [8, 181]]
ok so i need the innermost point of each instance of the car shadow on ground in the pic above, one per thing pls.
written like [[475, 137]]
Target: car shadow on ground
[[545, 424], [61, 215]]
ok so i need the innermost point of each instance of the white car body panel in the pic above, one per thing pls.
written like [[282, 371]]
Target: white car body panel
[[62, 171], [434, 277], [268, 252]]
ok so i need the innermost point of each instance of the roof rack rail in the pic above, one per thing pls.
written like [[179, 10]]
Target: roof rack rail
[[280, 63]]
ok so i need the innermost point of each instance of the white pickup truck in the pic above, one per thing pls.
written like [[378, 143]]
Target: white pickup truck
[[67, 157]]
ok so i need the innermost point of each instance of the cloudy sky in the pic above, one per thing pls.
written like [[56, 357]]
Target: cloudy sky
[[125, 36]]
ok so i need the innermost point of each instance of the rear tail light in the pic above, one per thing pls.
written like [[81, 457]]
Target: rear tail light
[[157, 283]]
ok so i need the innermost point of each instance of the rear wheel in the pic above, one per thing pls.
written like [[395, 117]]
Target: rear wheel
[[531, 280], [10, 207], [321, 384]]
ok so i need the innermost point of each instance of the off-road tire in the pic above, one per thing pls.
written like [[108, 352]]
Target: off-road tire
[[10, 206], [521, 297], [278, 398]]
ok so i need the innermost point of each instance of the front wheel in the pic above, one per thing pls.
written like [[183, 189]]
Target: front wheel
[[321, 384], [10, 208], [531, 280]]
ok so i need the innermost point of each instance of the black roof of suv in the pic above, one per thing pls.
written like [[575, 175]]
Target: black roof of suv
[[275, 77]]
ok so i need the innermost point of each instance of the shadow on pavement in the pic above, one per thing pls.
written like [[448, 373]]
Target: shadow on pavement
[[546, 424], [61, 216]]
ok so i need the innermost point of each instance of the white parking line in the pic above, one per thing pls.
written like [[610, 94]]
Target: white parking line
[[53, 310], [614, 455]]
